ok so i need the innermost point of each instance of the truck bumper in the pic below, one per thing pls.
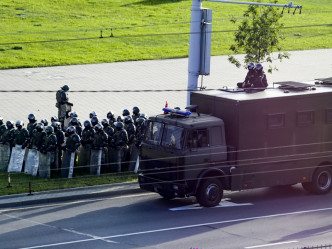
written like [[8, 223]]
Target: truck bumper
[[174, 188]]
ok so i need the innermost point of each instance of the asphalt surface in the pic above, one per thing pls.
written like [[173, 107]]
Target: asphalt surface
[[17, 200], [32, 90]]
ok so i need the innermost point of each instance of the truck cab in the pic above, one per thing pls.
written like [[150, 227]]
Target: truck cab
[[181, 152]]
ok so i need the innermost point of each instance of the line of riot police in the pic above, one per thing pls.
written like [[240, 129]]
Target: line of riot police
[[99, 146]]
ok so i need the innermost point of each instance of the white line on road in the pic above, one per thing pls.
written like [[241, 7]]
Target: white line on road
[[185, 227], [272, 244], [221, 205]]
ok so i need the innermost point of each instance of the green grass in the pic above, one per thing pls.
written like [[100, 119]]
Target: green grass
[[19, 182], [66, 32]]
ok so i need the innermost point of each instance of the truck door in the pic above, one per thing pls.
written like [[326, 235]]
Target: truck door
[[198, 153]]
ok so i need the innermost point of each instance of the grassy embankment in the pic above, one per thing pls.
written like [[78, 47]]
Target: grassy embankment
[[61, 32]]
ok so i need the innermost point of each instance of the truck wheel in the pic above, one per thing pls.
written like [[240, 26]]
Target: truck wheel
[[167, 196], [210, 193], [321, 182]]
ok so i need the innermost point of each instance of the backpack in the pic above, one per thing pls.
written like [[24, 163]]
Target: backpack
[[58, 96]]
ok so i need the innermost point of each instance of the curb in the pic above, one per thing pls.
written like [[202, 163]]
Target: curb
[[69, 194]]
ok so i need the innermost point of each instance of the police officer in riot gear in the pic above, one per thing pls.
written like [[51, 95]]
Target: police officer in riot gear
[[85, 149], [131, 132], [107, 153], [119, 144], [111, 118], [32, 123], [60, 139], [21, 135], [136, 113], [63, 104], [48, 148], [9, 135], [2, 128], [73, 142], [37, 137], [259, 80], [100, 141], [249, 80]]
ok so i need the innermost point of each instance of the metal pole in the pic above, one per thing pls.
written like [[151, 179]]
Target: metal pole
[[194, 47]]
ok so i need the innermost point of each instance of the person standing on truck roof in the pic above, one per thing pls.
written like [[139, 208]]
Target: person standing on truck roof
[[248, 81], [259, 80]]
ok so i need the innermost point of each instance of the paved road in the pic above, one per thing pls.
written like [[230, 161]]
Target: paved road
[[141, 75], [263, 218]]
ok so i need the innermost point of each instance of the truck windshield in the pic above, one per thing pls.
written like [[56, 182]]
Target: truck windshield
[[173, 137], [166, 135]]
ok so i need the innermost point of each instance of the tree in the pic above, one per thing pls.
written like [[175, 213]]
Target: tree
[[258, 36]]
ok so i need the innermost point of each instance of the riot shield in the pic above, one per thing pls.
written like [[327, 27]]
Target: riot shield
[[16, 159], [32, 162], [95, 162], [67, 167], [45, 165], [4, 156], [84, 158], [133, 159]]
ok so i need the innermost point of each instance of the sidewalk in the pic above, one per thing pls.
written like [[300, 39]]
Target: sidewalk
[[18, 200]]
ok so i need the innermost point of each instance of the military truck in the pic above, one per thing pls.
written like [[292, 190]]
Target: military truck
[[238, 139]]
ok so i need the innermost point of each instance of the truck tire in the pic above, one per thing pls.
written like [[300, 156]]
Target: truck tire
[[210, 193], [321, 181]]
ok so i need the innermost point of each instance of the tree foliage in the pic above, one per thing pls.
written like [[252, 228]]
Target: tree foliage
[[258, 35]]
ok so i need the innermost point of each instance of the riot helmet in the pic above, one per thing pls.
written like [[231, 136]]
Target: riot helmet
[[98, 127], [49, 130], [259, 67], [39, 127], [143, 115], [125, 112], [1, 120], [119, 126], [19, 124], [135, 110], [44, 122], [94, 121], [110, 115], [128, 120], [31, 118], [87, 124], [251, 66], [140, 121], [65, 88], [55, 125], [119, 119], [10, 124], [92, 114], [104, 122], [71, 130], [54, 119], [74, 121]]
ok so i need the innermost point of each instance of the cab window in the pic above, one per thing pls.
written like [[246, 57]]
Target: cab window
[[173, 137], [198, 138], [154, 133]]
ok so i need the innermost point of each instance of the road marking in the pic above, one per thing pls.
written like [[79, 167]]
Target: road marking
[[222, 204], [184, 227], [273, 244], [58, 228], [73, 202]]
